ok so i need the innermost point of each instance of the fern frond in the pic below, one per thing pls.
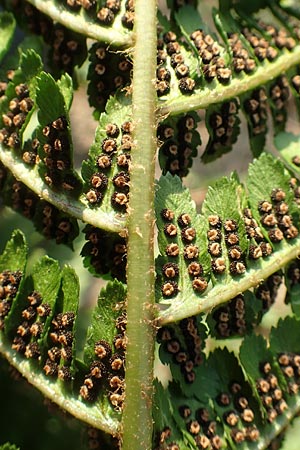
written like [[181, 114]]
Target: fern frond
[[250, 250], [39, 325]]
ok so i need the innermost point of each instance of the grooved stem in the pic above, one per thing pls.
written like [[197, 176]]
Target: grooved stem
[[137, 417]]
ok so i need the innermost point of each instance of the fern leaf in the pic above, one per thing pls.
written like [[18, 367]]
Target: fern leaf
[[246, 402], [256, 242], [218, 84], [39, 316]]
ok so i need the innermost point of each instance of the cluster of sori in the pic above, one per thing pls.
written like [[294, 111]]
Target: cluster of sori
[[293, 273], [275, 217], [163, 440], [87, 5], [242, 61], [96, 439], [295, 81], [178, 145], [106, 12], [60, 355], [295, 187], [23, 199], [258, 246], [267, 291], [170, 55], [48, 220], [270, 392], [290, 367], [234, 251], [175, 249], [15, 116], [214, 66], [280, 38], [9, 285], [223, 127], [31, 328], [64, 45], [186, 350], [56, 151], [279, 96], [230, 319], [118, 151], [263, 49], [65, 48], [108, 71], [35, 21], [108, 368], [105, 252], [237, 413], [255, 106], [203, 427]]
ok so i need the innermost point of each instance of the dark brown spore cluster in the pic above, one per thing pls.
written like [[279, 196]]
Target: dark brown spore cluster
[[231, 237], [108, 71], [256, 108], [128, 17], [56, 150], [295, 83], [163, 440], [267, 291], [180, 233], [270, 392], [106, 252], [242, 61], [279, 95], [203, 427], [58, 363], [108, 368], [169, 51], [31, 327], [48, 220], [113, 150], [214, 66], [36, 22], [289, 363], [14, 118], [230, 319], [23, 199], [66, 48], [223, 129], [263, 48], [238, 414], [293, 273], [186, 350], [9, 285], [178, 145], [275, 217], [258, 246], [56, 225]]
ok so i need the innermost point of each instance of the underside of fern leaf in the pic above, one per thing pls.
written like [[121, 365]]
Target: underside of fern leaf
[[39, 326], [240, 238]]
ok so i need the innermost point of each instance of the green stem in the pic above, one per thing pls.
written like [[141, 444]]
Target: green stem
[[137, 417], [82, 24], [78, 209], [208, 95]]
